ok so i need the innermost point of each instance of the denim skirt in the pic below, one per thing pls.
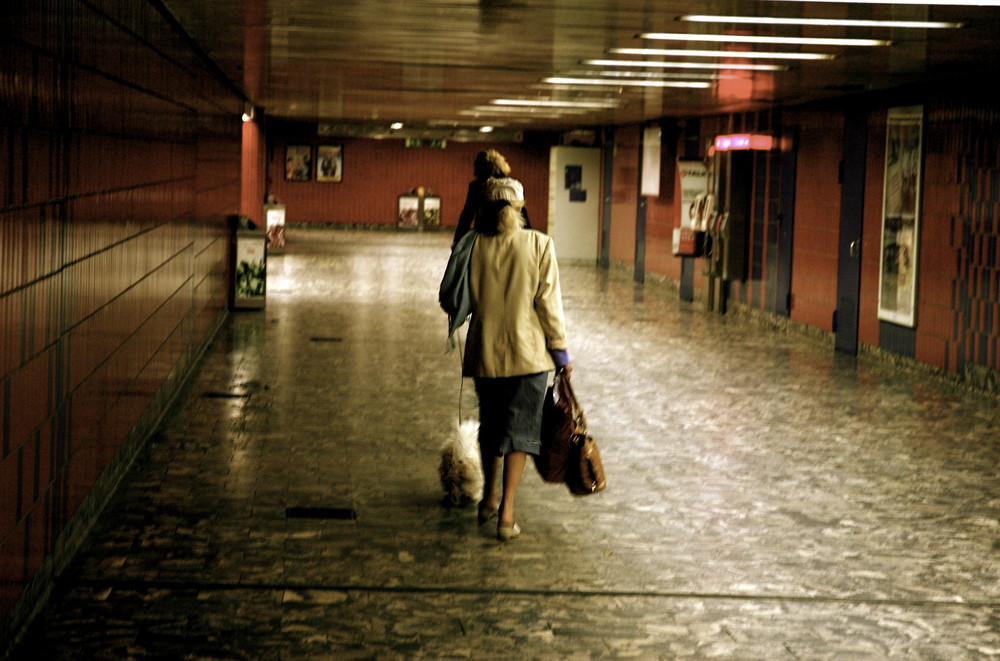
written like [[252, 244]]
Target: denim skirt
[[510, 413]]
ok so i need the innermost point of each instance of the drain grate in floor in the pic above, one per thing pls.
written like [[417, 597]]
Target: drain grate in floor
[[326, 339], [336, 513]]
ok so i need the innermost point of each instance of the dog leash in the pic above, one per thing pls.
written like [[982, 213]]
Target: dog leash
[[461, 378]]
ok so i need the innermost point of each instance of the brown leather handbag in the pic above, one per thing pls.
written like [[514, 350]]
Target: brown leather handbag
[[569, 453], [584, 469]]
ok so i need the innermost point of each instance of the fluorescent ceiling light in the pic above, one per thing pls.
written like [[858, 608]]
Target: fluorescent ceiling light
[[739, 54], [526, 110], [607, 82], [685, 65], [395, 126], [464, 126], [528, 116], [552, 87], [758, 39], [550, 103], [640, 75], [945, 3], [822, 22], [486, 129]]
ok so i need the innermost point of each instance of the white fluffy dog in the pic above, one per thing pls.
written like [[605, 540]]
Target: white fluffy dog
[[461, 467]]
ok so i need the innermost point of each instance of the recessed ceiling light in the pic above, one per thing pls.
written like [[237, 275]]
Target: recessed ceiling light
[[821, 22], [685, 65], [486, 129], [758, 39], [668, 52], [395, 126]]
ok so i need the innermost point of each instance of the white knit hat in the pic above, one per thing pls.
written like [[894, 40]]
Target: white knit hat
[[504, 188]]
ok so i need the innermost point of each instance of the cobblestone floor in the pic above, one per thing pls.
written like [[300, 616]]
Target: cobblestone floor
[[767, 498]]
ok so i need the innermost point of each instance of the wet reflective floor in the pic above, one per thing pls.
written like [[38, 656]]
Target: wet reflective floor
[[767, 498]]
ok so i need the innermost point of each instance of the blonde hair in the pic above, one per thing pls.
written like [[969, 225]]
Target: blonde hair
[[502, 217], [510, 218], [490, 163]]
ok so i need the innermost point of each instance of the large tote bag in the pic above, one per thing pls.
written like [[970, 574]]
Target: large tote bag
[[569, 454], [557, 432]]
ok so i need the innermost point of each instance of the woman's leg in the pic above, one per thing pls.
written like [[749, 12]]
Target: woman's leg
[[487, 448], [491, 468], [513, 467]]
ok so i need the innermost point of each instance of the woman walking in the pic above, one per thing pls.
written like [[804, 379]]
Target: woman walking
[[516, 336]]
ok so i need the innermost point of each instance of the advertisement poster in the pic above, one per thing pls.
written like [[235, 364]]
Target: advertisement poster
[[692, 176], [251, 273], [901, 217], [416, 211], [651, 138], [431, 213], [408, 211], [275, 215], [574, 183]]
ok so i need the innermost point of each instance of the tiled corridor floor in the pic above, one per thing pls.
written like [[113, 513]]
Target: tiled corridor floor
[[767, 498]]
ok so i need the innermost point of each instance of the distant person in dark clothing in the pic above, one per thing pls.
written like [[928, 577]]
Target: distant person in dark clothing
[[488, 164]]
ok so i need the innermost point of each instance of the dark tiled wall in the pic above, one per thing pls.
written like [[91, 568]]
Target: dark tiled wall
[[959, 277], [119, 160]]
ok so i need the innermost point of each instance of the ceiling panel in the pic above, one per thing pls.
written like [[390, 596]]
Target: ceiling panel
[[443, 63]]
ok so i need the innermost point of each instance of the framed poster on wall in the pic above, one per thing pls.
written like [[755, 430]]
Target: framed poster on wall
[[298, 163], [330, 163], [897, 297]]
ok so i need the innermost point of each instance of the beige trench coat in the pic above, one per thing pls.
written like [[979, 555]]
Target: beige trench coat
[[518, 313]]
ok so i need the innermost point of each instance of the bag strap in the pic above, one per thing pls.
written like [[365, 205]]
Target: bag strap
[[566, 387]]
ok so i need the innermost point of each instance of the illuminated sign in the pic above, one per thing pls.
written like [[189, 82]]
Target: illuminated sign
[[743, 141]]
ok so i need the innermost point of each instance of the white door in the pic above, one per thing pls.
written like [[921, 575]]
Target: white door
[[575, 202]]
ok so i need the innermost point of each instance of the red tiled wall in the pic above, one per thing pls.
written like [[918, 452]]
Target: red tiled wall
[[252, 166], [625, 194], [941, 239], [119, 160], [817, 216], [377, 172]]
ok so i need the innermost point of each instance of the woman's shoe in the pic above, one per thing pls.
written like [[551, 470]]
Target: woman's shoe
[[507, 533], [485, 515]]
